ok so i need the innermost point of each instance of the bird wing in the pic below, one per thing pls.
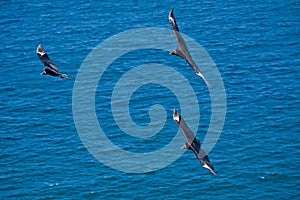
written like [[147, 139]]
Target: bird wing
[[49, 64], [180, 41], [188, 134], [191, 62], [173, 21], [194, 66], [43, 56], [203, 158]]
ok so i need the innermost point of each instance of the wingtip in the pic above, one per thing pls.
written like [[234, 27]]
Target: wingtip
[[203, 78], [174, 110], [213, 172], [40, 50], [171, 13], [175, 115], [210, 168]]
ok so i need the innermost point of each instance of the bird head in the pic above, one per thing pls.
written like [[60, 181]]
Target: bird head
[[173, 52]]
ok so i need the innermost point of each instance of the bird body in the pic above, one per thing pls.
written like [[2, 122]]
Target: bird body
[[182, 50], [50, 66], [192, 143]]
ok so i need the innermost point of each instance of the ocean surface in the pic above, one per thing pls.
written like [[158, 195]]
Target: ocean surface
[[255, 46]]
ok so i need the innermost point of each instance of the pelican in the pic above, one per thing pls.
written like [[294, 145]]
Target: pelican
[[50, 66], [182, 50], [192, 143]]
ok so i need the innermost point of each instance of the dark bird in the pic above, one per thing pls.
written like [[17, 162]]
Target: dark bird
[[192, 143], [182, 50], [50, 66]]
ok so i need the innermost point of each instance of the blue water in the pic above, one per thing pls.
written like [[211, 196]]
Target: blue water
[[256, 47]]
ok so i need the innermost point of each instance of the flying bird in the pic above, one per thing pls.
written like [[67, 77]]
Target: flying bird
[[182, 50], [50, 66], [192, 143]]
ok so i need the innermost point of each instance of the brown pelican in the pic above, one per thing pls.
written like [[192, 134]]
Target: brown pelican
[[182, 50], [50, 66], [192, 143]]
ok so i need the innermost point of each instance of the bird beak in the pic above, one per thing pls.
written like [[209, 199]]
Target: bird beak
[[173, 52], [43, 73]]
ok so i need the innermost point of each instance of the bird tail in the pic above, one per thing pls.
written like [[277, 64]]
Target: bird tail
[[201, 76]]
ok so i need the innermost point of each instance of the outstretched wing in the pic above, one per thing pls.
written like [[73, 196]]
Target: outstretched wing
[[173, 21], [48, 63], [205, 161], [188, 134], [194, 66], [180, 41]]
